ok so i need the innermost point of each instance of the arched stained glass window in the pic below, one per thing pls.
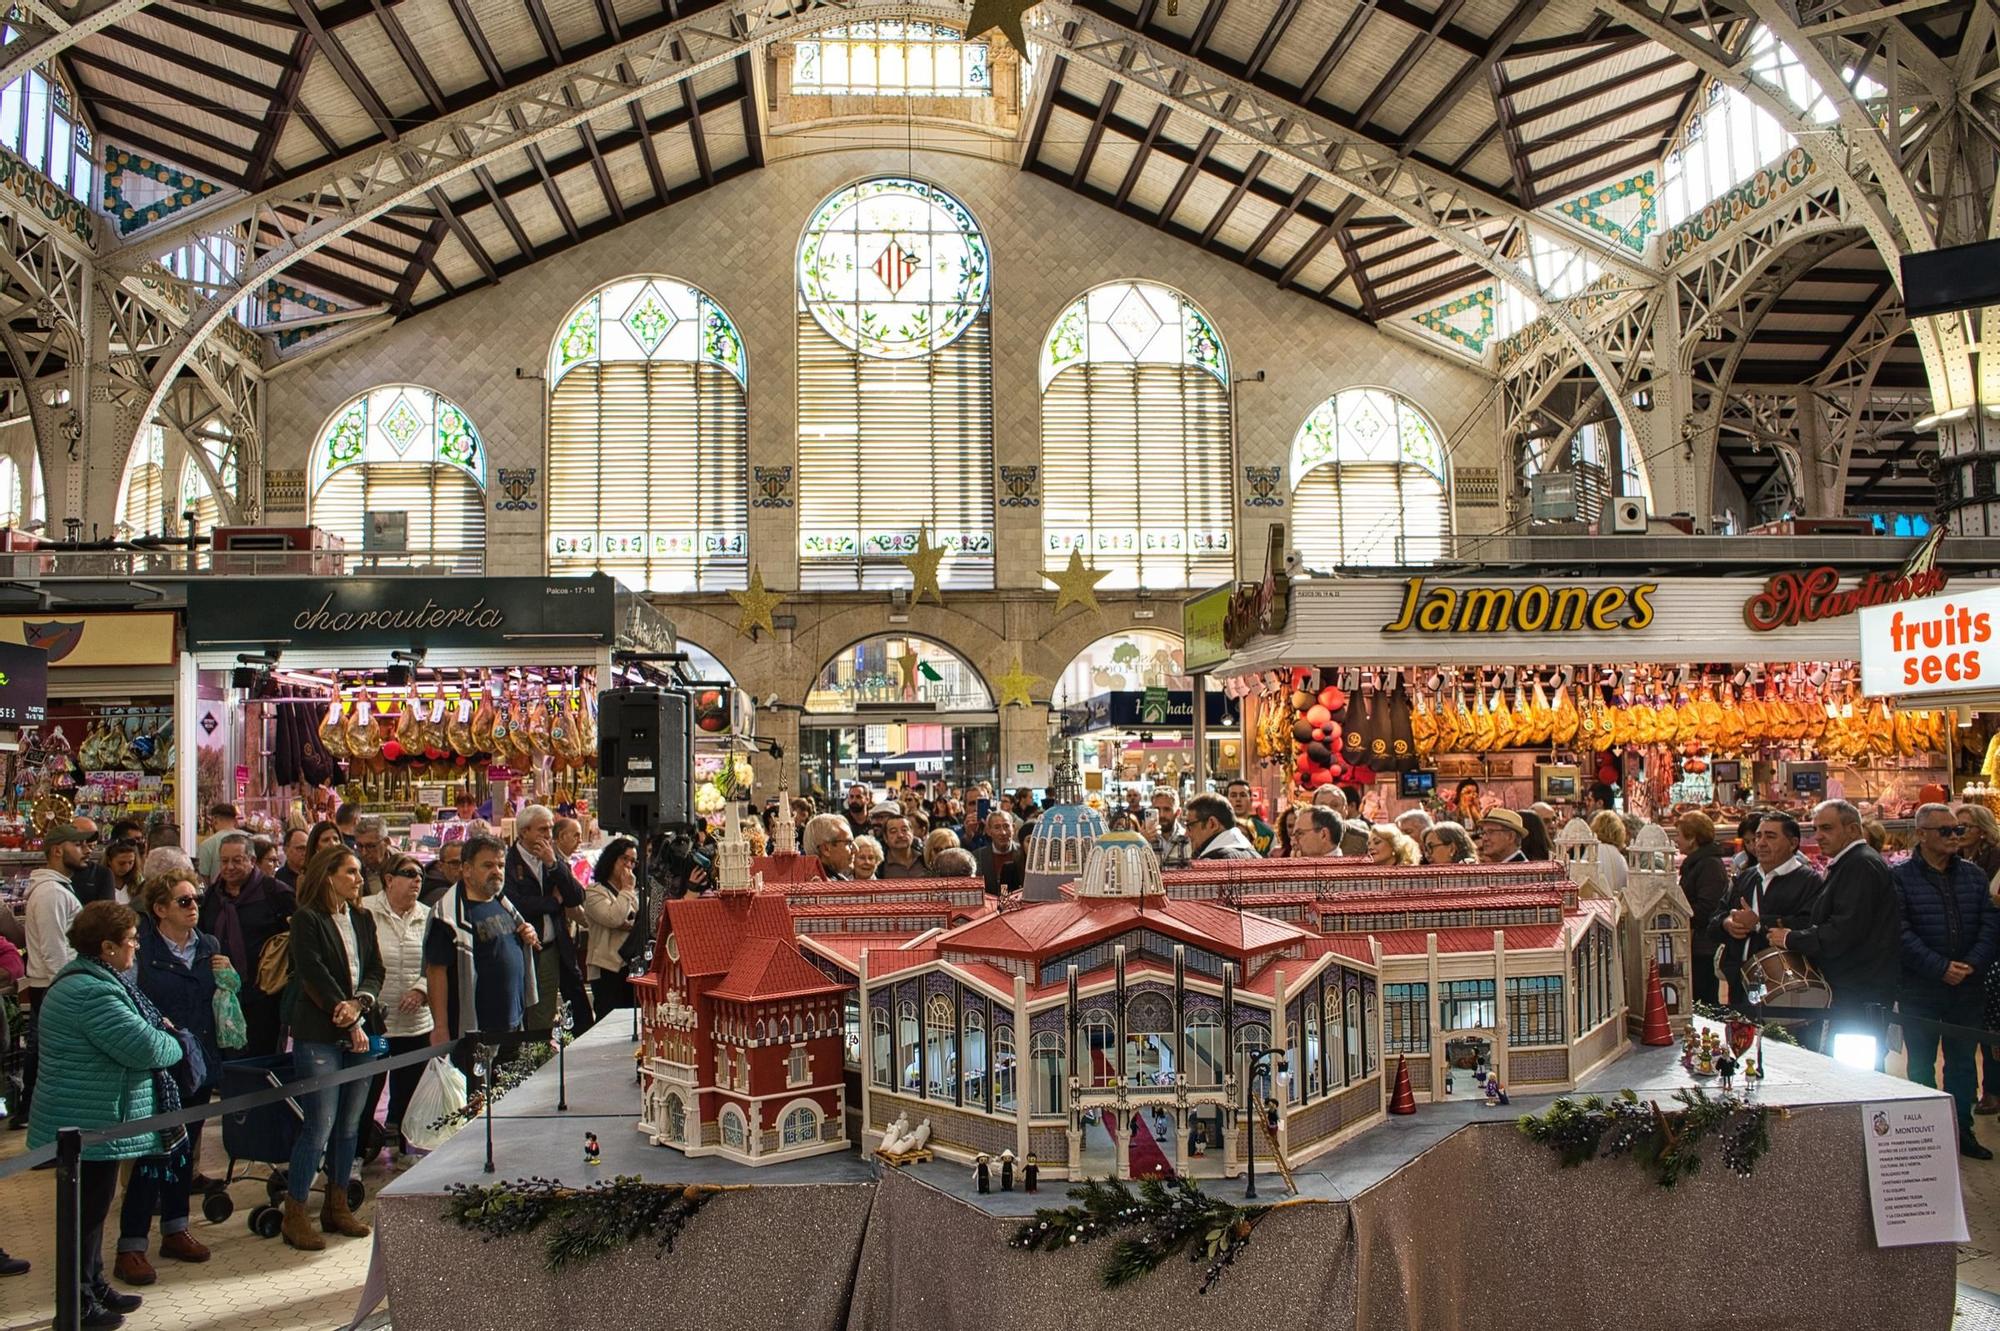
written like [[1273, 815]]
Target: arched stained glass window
[[892, 56], [399, 473], [649, 439], [1368, 483], [1136, 447], [895, 381]]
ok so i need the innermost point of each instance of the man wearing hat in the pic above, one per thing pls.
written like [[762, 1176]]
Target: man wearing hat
[[1501, 833]]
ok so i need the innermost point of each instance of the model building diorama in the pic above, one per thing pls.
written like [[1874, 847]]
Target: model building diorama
[[1114, 1027]]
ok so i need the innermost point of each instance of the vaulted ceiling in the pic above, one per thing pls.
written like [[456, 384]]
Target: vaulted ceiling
[[1533, 101]]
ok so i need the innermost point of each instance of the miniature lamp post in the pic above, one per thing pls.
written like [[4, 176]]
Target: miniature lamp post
[[482, 1066], [564, 1021], [1251, 1110]]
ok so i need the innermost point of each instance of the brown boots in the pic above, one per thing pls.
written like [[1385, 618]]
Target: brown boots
[[335, 1218], [298, 1228]]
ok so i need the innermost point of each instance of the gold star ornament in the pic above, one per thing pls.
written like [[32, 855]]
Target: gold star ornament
[[1002, 14], [923, 566], [1077, 585], [1014, 686], [757, 605]]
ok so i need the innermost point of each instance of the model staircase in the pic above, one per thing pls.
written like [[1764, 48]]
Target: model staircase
[[1277, 1151]]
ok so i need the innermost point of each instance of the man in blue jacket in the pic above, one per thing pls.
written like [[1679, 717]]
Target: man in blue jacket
[[1951, 934]]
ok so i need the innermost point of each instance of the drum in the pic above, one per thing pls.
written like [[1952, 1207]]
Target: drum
[[1777, 978]]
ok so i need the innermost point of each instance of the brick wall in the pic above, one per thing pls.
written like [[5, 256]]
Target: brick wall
[[1530, 1065]]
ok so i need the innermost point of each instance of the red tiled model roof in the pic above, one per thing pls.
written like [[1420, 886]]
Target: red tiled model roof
[[1520, 937], [771, 968], [709, 929], [1051, 927]]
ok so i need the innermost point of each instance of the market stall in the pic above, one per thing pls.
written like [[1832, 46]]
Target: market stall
[[895, 709], [1123, 714], [105, 747], [1678, 691], [399, 694]]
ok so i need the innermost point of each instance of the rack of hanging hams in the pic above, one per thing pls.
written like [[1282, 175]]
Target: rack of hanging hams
[[1822, 711], [390, 739]]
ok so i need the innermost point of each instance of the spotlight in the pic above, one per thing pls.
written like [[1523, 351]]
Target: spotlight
[[1855, 1049], [243, 677]]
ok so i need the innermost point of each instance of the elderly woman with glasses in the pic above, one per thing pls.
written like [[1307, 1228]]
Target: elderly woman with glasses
[[1448, 843], [175, 967], [401, 921]]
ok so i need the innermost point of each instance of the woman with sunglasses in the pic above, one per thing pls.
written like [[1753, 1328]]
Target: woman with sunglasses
[[175, 967], [401, 921]]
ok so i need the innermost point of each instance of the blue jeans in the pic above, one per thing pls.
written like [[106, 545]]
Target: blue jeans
[[1959, 1005], [332, 1115]]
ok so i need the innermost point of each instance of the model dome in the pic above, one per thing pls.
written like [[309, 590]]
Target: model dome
[[1122, 864]]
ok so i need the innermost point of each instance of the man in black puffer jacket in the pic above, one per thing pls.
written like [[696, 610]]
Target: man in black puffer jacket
[[1951, 934], [1855, 931]]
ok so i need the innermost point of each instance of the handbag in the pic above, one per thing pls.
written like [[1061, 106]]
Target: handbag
[[231, 1031], [274, 964]]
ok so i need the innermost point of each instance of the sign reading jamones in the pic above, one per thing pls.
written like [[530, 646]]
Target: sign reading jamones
[[1534, 608]]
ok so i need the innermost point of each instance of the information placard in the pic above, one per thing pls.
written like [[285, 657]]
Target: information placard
[[1913, 1172]]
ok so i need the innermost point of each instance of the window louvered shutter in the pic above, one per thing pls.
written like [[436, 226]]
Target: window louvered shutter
[[1136, 458], [145, 511], [648, 475], [446, 508], [889, 446], [1368, 514]]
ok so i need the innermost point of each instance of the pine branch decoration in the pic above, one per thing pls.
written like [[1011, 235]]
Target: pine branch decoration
[[1164, 1219], [583, 1224], [1667, 1143]]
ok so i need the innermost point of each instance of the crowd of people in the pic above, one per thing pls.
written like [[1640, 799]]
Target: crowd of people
[[142, 969]]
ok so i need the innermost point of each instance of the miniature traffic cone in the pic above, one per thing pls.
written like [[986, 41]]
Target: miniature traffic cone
[[1657, 1031], [1405, 1099]]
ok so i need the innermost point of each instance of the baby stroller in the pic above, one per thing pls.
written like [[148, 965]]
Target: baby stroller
[[261, 1136]]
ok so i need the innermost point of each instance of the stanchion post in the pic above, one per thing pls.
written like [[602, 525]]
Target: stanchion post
[[69, 1229]]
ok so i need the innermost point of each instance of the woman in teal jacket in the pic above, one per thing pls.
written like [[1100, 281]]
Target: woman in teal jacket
[[99, 1057]]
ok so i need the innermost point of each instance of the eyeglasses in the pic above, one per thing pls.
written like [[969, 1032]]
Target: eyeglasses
[[405, 873], [187, 901], [1946, 829]]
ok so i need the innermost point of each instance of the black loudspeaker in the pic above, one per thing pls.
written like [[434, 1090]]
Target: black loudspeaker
[[645, 760], [1961, 277]]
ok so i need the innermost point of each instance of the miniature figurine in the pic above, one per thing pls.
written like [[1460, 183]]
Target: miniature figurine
[[895, 1137], [1725, 1068], [1006, 1171], [1704, 1063], [1447, 1081], [1031, 1174], [920, 1139], [982, 1176], [1496, 1094], [590, 1149]]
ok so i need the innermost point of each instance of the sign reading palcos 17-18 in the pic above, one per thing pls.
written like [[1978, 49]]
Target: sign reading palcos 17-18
[[1943, 644], [1530, 609]]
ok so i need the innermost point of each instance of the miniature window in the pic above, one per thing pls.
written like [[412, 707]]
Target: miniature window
[[1314, 1059], [733, 1128], [797, 1073], [1252, 1038], [1003, 1069], [1466, 1005], [722, 1067], [975, 1057], [880, 1053], [800, 1128], [941, 1047], [1205, 1049], [1099, 1033], [1534, 1010], [676, 1125], [1047, 1053], [907, 1036], [1369, 1057], [1352, 1035]]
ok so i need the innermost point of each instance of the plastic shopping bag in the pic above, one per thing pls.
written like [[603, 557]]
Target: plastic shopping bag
[[230, 1030], [441, 1093]]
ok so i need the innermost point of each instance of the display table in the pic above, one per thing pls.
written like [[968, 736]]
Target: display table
[[1449, 1219]]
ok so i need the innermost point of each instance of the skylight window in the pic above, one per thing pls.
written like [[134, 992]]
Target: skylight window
[[40, 123], [893, 57]]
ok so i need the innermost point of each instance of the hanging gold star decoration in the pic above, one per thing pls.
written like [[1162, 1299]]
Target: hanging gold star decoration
[[757, 605], [1002, 14], [1076, 584], [1014, 686], [923, 566]]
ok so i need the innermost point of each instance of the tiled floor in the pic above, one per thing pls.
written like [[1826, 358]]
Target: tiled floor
[[255, 1284]]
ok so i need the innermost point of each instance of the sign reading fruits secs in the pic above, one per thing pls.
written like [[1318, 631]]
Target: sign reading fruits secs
[[1939, 645]]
